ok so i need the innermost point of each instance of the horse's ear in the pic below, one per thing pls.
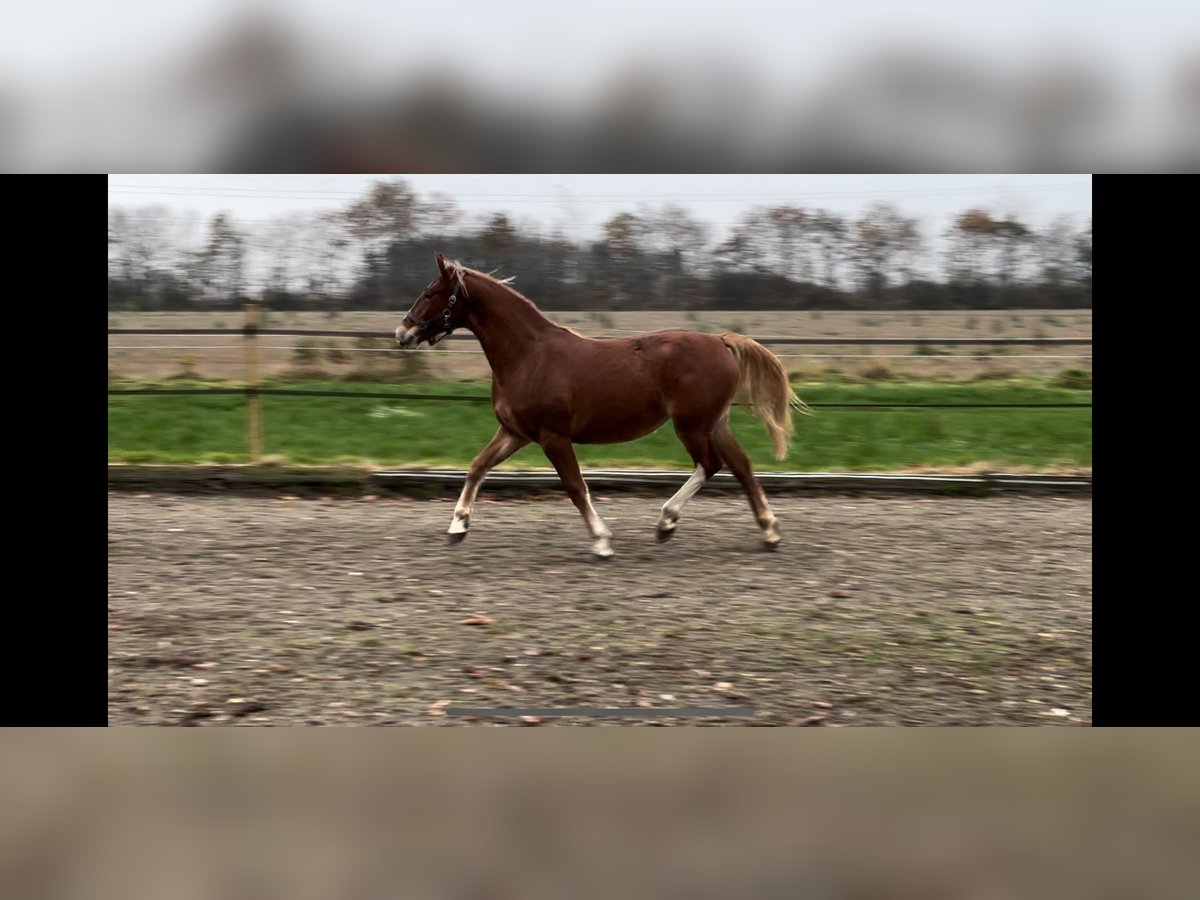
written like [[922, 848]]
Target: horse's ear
[[441, 261]]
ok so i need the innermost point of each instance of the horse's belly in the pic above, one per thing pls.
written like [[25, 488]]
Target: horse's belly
[[618, 430]]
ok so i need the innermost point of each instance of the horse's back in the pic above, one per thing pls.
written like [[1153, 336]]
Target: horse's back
[[622, 388], [692, 372], [688, 355]]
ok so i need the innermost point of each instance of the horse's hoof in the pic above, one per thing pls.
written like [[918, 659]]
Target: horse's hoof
[[455, 537], [771, 537], [664, 534]]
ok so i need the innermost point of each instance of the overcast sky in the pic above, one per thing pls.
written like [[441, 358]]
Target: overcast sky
[[577, 204]]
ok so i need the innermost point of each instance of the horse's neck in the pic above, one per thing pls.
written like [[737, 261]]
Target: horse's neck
[[507, 326]]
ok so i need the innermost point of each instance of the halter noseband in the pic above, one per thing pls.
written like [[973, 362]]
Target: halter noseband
[[426, 322]]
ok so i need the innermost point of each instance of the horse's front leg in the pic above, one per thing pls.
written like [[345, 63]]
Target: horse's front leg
[[500, 448], [562, 455]]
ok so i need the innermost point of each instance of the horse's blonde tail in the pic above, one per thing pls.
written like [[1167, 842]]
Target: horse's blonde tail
[[764, 385]]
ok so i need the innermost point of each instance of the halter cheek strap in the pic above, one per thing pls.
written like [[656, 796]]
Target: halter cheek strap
[[445, 320]]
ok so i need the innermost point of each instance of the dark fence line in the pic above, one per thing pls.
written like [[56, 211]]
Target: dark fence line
[[473, 398], [979, 485], [340, 480], [877, 342]]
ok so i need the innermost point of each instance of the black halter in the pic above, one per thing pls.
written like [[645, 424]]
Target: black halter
[[424, 324]]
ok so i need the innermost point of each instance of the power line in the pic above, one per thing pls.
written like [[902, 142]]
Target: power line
[[469, 228], [732, 197]]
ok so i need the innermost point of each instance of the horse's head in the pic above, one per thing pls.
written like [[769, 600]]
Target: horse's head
[[439, 309]]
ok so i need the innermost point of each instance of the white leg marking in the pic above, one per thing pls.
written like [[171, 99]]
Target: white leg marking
[[771, 526], [462, 509], [672, 508], [598, 530]]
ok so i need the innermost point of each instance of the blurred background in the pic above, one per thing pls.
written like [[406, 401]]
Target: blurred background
[[859, 86], [906, 815]]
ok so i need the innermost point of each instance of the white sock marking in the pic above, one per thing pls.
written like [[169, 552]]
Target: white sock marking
[[597, 528], [673, 507]]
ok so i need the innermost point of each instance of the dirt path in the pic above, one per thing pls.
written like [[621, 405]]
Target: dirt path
[[905, 611]]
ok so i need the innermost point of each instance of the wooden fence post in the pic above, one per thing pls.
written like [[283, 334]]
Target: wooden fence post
[[253, 401]]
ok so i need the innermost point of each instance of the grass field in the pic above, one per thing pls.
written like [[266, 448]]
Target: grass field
[[319, 430]]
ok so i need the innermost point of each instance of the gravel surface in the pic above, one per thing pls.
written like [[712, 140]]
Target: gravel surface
[[874, 611]]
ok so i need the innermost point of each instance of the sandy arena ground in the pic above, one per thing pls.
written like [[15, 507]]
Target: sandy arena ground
[[900, 611]]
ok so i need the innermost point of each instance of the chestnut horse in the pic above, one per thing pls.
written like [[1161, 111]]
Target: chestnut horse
[[555, 387]]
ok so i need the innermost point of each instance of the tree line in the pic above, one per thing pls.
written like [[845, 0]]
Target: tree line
[[377, 253]]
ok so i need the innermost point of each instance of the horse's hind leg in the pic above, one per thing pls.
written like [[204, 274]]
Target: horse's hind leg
[[698, 442], [500, 448], [735, 457], [562, 455]]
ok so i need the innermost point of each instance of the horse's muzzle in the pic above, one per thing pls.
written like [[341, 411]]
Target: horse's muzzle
[[407, 338]]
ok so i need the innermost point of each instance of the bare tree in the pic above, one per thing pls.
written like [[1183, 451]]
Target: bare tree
[[885, 245], [331, 261], [220, 264], [1083, 254], [142, 241], [674, 230], [831, 240], [439, 215], [970, 246], [985, 250], [389, 212], [623, 234], [277, 246], [775, 239], [499, 238]]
